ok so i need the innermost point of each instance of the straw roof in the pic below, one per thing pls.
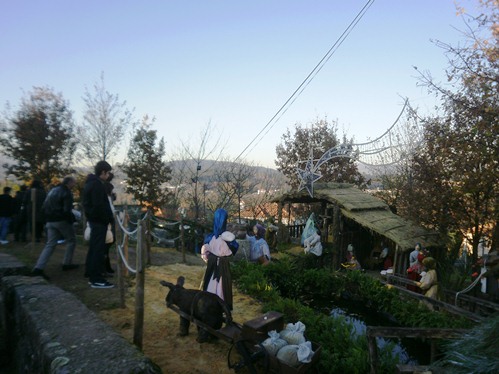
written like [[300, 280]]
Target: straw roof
[[368, 211]]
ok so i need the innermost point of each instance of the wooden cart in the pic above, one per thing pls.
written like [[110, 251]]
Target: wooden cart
[[246, 351]]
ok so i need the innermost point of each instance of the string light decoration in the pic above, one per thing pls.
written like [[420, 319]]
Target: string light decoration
[[388, 149]]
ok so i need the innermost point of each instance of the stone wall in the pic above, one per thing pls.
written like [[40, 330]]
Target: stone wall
[[48, 330]]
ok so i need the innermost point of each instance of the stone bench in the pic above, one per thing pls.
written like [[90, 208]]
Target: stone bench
[[48, 330]]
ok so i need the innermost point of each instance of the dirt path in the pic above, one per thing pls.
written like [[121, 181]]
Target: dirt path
[[176, 354], [160, 342]]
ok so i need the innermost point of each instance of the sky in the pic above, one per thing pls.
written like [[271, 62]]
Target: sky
[[231, 64]]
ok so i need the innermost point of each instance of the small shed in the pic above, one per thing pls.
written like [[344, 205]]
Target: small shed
[[346, 209]]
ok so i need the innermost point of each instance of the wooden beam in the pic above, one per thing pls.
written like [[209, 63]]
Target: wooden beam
[[415, 332], [372, 332]]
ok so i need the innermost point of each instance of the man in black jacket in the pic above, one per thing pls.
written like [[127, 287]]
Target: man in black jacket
[[99, 216], [58, 211], [6, 213]]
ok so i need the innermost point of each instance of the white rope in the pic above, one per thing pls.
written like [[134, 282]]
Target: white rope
[[138, 221], [469, 288], [120, 247], [129, 233], [163, 222], [123, 259], [160, 238]]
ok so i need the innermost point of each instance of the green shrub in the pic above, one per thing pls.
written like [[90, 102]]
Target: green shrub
[[285, 286]]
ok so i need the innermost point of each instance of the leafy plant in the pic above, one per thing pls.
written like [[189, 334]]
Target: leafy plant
[[285, 286], [475, 352]]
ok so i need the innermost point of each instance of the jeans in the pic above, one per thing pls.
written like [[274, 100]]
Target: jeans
[[4, 227], [54, 232]]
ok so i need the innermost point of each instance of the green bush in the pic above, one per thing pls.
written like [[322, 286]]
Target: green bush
[[285, 286]]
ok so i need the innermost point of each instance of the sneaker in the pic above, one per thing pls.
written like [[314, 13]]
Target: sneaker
[[4, 242], [39, 273], [103, 284], [62, 241], [70, 267]]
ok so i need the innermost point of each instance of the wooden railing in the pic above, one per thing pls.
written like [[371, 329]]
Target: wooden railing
[[396, 282], [295, 231]]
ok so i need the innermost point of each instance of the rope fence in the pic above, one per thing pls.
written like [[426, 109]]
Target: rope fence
[[141, 234]]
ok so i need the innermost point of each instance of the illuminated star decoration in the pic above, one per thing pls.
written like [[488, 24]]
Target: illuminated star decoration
[[308, 176], [385, 148], [310, 173]]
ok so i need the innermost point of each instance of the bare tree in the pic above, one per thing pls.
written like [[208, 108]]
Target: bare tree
[[395, 181], [233, 181], [193, 166], [105, 122], [270, 184]]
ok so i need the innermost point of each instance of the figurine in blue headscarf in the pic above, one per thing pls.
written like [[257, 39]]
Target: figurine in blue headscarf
[[216, 251]]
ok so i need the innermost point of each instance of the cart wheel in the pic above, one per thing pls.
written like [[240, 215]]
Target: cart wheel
[[247, 356]]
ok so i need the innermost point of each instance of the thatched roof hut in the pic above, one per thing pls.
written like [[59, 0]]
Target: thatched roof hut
[[369, 212]]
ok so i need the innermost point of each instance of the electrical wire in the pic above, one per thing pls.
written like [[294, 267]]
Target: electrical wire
[[308, 79]]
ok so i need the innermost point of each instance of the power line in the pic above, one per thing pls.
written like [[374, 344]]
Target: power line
[[309, 78]]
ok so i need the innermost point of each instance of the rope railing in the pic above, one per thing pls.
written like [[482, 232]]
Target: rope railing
[[143, 219], [469, 288], [155, 236], [125, 230], [120, 247], [164, 222], [141, 233], [133, 234]]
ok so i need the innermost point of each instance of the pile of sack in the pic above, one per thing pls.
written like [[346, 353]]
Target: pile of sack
[[289, 345]]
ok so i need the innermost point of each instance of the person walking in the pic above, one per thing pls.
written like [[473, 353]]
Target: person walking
[[6, 213], [99, 215], [58, 211]]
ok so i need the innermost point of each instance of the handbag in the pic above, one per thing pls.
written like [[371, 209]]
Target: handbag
[[86, 234], [109, 234]]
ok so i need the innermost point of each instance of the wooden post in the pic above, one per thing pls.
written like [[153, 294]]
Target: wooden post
[[335, 262], [433, 351], [125, 244], [33, 217], [373, 352], [279, 213], [138, 330], [289, 221], [182, 239], [148, 236], [396, 261], [119, 262]]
